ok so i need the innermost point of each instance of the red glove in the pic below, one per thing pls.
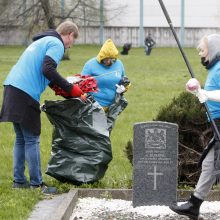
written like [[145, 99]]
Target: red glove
[[76, 91]]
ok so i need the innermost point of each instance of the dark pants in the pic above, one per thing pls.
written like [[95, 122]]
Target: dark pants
[[148, 50]]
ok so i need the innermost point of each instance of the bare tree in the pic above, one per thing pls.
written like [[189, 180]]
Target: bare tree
[[3, 5], [35, 15]]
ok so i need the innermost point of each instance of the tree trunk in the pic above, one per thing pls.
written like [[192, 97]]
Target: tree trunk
[[48, 13]]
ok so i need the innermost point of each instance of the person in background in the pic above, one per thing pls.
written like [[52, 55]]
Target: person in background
[[209, 51], [109, 72], [149, 44], [27, 80], [126, 47]]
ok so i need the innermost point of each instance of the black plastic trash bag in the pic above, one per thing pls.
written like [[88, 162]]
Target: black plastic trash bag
[[81, 146]]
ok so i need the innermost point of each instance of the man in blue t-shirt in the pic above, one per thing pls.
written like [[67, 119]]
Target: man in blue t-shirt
[[33, 72]]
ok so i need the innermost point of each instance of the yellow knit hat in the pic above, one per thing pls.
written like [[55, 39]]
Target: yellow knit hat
[[108, 50]]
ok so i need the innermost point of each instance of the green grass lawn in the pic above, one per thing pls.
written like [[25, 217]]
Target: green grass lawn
[[156, 79]]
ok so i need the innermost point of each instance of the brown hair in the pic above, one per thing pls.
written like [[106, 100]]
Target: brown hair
[[68, 27]]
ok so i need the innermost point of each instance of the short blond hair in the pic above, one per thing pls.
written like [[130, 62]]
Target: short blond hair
[[68, 27]]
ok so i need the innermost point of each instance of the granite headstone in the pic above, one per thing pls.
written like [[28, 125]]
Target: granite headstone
[[155, 154]]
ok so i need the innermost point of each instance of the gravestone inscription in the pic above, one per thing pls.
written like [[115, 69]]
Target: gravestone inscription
[[155, 154]]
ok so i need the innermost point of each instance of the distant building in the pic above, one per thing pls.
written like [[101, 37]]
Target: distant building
[[198, 13], [122, 22]]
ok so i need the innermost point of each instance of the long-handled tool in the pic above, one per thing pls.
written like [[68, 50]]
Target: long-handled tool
[[187, 63]]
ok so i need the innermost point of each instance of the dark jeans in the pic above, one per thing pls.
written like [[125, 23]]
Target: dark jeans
[[148, 50], [26, 148]]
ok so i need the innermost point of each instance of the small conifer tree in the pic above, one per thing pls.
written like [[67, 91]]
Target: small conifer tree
[[194, 134]]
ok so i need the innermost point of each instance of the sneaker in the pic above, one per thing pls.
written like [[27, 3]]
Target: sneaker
[[47, 190], [20, 185]]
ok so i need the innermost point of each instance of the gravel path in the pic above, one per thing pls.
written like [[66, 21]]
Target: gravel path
[[116, 209]]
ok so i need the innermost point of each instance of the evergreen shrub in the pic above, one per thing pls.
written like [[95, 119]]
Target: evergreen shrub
[[194, 134]]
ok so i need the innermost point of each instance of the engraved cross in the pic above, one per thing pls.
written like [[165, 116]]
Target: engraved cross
[[155, 174]]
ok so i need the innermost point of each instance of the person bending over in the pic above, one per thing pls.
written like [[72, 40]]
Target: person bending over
[[27, 80]]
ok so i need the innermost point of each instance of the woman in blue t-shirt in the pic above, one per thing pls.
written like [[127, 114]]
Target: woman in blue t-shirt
[[109, 73], [209, 51]]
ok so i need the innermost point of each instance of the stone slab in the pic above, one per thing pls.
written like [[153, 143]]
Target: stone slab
[[57, 207], [155, 154]]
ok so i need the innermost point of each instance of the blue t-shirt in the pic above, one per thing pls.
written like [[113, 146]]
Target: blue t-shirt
[[107, 77], [27, 74], [213, 83]]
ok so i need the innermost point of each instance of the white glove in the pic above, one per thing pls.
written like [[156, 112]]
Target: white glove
[[204, 95], [73, 79], [193, 86], [120, 89]]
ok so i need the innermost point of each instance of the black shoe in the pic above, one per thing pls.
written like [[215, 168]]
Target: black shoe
[[183, 210], [47, 190], [190, 208], [20, 185]]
